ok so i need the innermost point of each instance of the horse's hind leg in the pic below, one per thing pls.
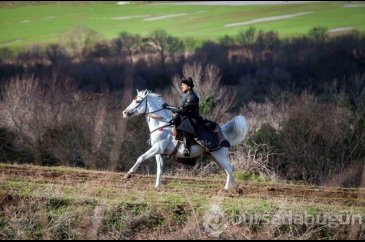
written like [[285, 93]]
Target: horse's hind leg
[[159, 162], [221, 157]]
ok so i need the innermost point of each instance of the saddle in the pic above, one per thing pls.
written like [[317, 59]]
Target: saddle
[[212, 140], [209, 136]]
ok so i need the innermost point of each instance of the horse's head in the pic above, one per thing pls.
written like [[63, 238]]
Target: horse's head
[[138, 106]]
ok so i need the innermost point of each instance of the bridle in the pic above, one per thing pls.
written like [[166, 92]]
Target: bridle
[[145, 110], [148, 114]]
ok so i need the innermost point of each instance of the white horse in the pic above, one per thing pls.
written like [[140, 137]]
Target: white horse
[[163, 143]]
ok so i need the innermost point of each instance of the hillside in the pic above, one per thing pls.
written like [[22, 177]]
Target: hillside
[[66, 203]]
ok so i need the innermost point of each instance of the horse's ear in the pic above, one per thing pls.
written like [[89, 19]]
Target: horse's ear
[[137, 91]]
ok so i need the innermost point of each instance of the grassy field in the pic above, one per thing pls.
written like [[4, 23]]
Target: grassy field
[[22, 24], [66, 203]]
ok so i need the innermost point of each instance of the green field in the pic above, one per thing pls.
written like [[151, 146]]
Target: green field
[[22, 25]]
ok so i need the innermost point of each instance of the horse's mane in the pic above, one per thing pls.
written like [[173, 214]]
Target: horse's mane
[[158, 100]]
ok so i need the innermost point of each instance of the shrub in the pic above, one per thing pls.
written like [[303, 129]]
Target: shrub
[[316, 140], [266, 134], [10, 150], [64, 145], [318, 33]]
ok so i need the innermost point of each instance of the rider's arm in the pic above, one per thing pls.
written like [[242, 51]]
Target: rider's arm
[[171, 108]]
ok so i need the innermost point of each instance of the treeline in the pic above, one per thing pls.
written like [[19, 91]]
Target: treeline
[[257, 62]]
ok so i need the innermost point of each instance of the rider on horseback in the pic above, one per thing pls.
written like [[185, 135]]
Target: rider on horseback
[[187, 119], [191, 125]]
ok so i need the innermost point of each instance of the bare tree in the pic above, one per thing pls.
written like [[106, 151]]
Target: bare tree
[[363, 177], [30, 108], [120, 124], [131, 43], [227, 42], [79, 40], [165, 44], [247, 39]]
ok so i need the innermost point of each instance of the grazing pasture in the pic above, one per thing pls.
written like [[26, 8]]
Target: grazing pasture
[[25, 24]]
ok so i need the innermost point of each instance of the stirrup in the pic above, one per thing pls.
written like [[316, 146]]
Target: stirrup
[[183, 150], [186, 153]]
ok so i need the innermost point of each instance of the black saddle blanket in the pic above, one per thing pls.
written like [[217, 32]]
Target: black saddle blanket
[[210, 136]]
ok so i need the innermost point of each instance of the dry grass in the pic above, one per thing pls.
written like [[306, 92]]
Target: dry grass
[[344, 177], [60, 203], [254, 159]]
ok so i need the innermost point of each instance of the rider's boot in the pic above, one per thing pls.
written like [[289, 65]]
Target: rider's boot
[[187, 145]]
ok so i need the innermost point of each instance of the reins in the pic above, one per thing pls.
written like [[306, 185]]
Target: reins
[[161, 128], [153, 116]]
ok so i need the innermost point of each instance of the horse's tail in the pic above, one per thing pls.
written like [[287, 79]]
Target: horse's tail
[[236, 130]]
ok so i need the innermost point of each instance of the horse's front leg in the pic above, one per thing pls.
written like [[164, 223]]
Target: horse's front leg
[[153, 151]]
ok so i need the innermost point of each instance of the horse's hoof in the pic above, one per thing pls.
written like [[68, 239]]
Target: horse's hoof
[[127, 176], [231, 192], [239, 190], [223, 192]]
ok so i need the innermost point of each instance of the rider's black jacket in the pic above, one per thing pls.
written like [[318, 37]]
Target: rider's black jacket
[[190, 106], [188, 118]]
